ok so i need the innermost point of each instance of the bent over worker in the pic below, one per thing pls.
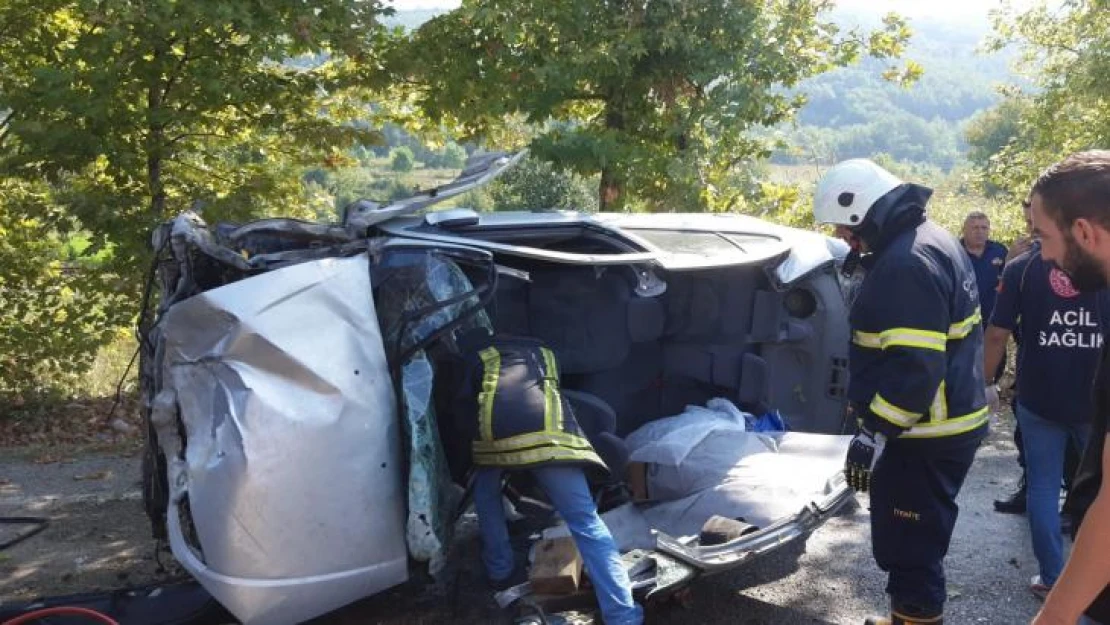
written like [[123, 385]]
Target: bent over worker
[[916, 378], [511, 390]]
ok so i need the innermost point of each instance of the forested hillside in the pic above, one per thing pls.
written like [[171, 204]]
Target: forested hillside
[[854, 112]]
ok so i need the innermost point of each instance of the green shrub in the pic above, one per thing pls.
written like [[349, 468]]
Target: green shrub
[[401, 159], [537, 185], [55, 313], [452, 156]]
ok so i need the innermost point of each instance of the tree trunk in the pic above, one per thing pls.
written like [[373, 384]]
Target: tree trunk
[[611, 190], [154, 144], [6, 126]]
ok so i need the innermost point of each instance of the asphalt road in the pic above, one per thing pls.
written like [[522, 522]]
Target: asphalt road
[[99, 539]]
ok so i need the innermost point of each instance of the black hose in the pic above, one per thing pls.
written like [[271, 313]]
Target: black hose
[[39, 524]]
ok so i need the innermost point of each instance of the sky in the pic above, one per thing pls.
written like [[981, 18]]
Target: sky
[[909, 8]]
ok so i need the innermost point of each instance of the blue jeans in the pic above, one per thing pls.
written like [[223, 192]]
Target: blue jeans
[[566, 488], [1086, 620], [1046, 443]]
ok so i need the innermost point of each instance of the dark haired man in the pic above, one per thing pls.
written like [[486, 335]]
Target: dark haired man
[[1062, 331], [1070, 205]]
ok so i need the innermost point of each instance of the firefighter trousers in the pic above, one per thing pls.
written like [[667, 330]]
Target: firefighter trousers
[[913, 512]]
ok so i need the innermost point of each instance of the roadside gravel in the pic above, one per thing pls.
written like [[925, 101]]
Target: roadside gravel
[[99, 539]]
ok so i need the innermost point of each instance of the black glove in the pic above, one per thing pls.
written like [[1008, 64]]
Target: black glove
[[863, 454]]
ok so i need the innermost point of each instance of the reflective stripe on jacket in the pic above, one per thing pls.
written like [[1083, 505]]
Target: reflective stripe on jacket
[[522, 418], [916, 360]]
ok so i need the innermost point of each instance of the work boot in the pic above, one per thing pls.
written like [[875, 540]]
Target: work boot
[[899, 619], [1015, 503], [904, 614]]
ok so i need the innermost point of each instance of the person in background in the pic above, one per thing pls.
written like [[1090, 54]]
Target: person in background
[[1070, 207], [1063, 331], [987, 259], [1015, 503], [1022, 244]]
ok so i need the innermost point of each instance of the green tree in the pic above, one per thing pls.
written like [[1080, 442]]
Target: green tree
[[53, 313], [991, 132], [115, 115], [453, 156], [658, 97], [135, 108], [536, 185], [993, 129], [401, 159], [1064, 49]]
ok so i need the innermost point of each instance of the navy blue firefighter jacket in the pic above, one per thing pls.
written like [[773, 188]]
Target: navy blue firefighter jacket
[[916, 359]]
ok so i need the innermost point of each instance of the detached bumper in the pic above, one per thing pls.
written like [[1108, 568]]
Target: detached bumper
[[730, 555]]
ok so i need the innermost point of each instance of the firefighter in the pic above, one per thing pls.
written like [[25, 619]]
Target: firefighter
[[916, 378], [522, 422]]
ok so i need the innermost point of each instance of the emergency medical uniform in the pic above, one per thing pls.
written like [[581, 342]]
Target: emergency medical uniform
[[511, 389], [916, 378], [1063, 331]]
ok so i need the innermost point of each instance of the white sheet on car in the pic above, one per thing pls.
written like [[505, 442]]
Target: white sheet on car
[[722, 469], [669, 440]]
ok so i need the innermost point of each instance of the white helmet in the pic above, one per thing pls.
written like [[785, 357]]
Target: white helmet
[[847, 191]]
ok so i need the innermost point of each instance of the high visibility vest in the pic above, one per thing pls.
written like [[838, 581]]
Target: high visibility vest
[[512, 391]]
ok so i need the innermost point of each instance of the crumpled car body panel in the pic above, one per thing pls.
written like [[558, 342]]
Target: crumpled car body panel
[[292, 471]]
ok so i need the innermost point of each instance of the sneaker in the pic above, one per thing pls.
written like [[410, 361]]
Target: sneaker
[[1014, 504], [1038, 588], [518, 576]]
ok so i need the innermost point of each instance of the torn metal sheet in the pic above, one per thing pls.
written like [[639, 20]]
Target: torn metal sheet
[[291, 471], [479, 170], [809, 251]]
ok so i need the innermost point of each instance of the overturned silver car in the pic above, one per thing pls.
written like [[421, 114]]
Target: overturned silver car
[[302, 450]]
